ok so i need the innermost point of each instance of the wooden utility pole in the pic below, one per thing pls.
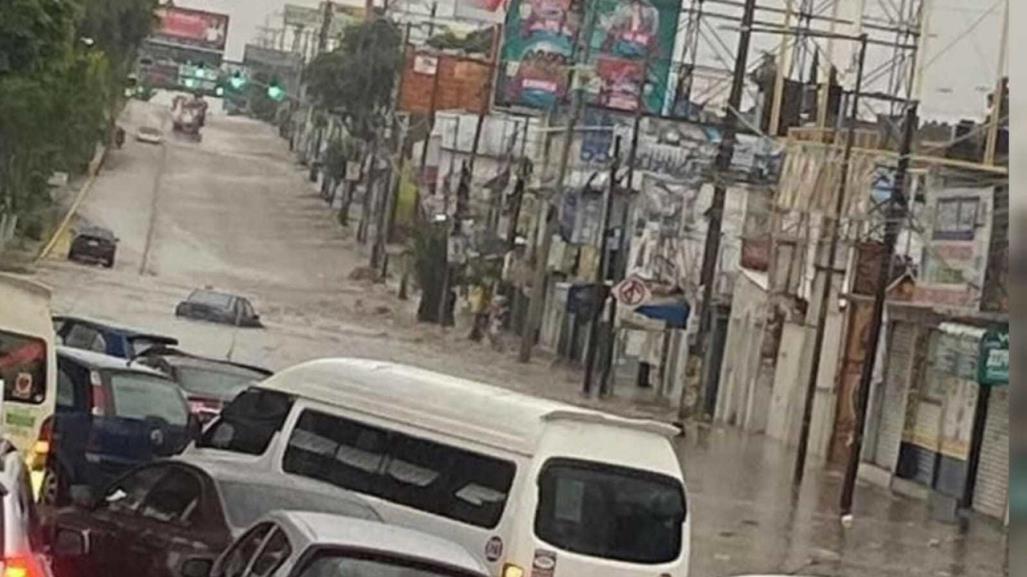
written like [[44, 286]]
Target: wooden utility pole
[[725, 154], [828, 269], [998, 99], [548, 222], [896, 213], [779, 78], [599, 293]]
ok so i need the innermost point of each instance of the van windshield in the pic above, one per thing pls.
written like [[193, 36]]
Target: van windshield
[[248, 423], [610, 512]]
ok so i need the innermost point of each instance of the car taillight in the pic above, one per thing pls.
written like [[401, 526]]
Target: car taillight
[[23, 566], [41, 448], [98, 395]]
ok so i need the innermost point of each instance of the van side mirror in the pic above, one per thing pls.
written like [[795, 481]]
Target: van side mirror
[[196, 568]]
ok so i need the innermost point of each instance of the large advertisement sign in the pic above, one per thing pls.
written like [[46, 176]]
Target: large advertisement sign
[[537, 50], [632, 42], [194, 28], [483, 10], [626, 34]]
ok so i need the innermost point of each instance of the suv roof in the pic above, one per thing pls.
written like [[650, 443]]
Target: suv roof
[[118, 330], [94, 360]]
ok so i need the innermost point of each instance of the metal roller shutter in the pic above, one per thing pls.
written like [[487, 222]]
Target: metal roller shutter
[[898, 371], [991, 491]]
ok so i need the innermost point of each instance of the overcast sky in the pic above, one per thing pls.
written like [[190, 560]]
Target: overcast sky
[[961, 56]]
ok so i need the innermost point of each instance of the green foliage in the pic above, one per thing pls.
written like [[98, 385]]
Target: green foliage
[[63, 65], [477, 42], [356, 80]]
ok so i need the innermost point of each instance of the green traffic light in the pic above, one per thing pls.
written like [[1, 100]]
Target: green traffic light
[[237, 82], [276, 93], [189, 82], [219, 91]]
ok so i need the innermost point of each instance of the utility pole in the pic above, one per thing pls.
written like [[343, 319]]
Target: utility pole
[[725, 153], [998, 99], [896, 213], [599, 293], [621, 264], [326, 26], [550, 224], [386, 202], [828, 269]]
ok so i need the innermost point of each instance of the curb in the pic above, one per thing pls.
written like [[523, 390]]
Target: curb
[[94, 169]]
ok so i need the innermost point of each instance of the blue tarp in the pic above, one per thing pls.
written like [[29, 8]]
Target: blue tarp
[[675, 314]]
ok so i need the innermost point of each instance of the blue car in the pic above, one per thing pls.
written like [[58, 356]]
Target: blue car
[[109, 418], [104, 338]]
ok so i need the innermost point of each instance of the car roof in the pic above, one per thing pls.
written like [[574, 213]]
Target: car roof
[[323, 529], [178, 357], [96, 360], [97, 231], [117, 330], [211, 292]]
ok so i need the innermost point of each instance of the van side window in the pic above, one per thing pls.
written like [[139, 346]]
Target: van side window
[[426, 475]]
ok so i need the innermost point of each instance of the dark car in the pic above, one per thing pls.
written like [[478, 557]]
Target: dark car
[[219, 307], [104, 338], [108, 418], [208, 383], [94, 244], [161, 516]]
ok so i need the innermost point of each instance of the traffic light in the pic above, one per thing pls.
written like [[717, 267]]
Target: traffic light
[[219, 91], [198, 72], [237, 81], [275, 92]]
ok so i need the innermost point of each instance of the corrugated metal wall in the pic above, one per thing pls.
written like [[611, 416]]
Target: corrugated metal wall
[[991, 493], [896, 388]]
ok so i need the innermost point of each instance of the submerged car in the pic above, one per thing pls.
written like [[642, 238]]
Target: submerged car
[[311, 544], [208, 383], [109, 417], [94, 244], [219, 307], [101, 337], [159, 519], [149, 135]]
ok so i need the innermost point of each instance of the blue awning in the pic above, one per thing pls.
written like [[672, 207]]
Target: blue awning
[[674, 314]]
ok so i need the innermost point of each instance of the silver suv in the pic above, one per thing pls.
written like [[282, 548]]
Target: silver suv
[[21, 537]]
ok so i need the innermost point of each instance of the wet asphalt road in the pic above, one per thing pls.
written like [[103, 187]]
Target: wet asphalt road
[[235, 212]]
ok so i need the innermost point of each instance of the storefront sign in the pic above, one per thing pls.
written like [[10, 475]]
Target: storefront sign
[[994, 362]]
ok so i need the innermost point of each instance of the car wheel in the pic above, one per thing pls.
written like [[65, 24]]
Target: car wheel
[[54, 488]]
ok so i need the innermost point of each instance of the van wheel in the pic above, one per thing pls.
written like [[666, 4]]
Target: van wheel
[[54, 489]]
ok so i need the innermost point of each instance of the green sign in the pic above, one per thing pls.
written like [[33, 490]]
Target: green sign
[[993, 368]]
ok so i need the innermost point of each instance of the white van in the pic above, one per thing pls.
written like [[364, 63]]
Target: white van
[[530, 486], [28, 368]]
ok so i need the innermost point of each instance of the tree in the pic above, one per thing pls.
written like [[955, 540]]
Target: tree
[[356, 80]]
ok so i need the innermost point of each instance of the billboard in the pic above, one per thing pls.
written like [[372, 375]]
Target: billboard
[[193, 28], [540, 43], [481, 10], [536, 53], [459, 86]]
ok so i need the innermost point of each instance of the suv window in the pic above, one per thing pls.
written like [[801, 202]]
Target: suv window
[[85, 337], [433, 477], [610, 512], [23, 368], [139, 396]]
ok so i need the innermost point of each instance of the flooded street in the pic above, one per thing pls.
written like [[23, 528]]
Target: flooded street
[[236, 213]]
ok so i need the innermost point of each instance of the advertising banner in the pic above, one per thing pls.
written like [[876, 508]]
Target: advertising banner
[[481, 10], [195, 28], [632, 42], [625, 34], [536, 53]]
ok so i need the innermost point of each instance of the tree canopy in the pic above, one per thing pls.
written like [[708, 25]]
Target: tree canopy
[[356, 79]]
